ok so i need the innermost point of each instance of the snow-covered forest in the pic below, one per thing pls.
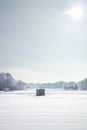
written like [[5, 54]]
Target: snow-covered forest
[[8, 83]]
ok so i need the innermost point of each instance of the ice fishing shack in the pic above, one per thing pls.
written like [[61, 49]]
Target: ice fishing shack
[[40, 92]]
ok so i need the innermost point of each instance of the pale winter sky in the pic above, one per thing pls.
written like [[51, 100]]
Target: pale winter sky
[[44, 40]]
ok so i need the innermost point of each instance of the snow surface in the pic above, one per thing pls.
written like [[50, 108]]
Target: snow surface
[[58, 110]]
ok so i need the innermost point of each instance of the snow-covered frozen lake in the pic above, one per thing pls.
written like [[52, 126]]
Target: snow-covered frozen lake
[[58, 110]]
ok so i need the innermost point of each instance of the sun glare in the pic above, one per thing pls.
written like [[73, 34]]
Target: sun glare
[[76, 13]]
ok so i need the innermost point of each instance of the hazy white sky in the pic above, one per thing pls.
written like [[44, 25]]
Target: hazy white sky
[[40, 43]]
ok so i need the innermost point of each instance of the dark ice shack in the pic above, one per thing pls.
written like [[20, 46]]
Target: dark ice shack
[[40, 92]]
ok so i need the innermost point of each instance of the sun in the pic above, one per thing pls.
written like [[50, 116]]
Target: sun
[[76, 13]]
